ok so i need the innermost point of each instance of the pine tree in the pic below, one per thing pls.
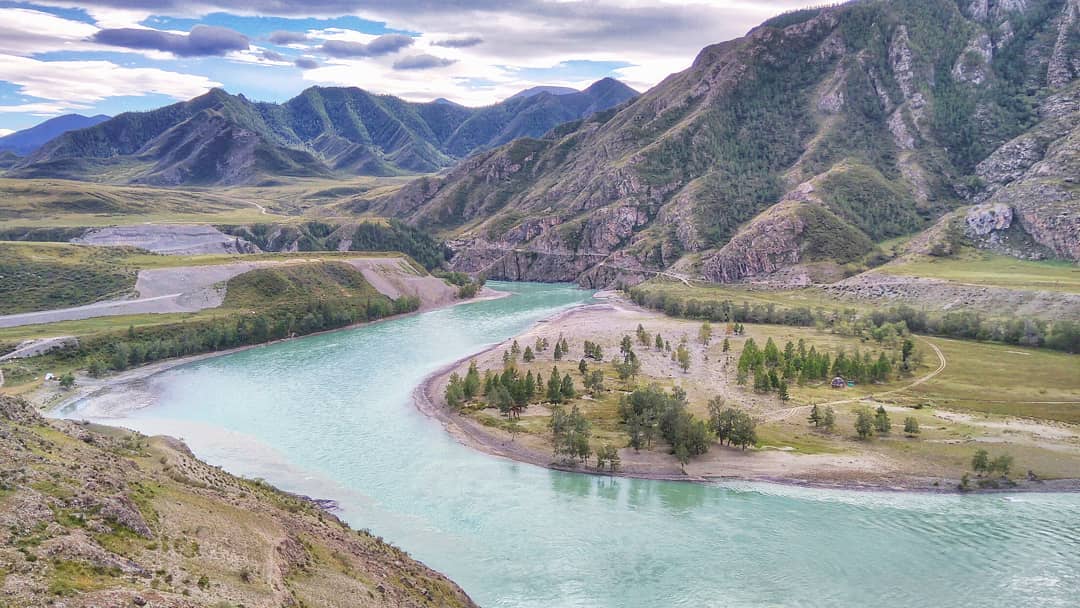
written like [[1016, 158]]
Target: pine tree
[[828, 419], [980, 462], [659, 343], [567, 391], [882, 424], [530, 386], [911, 426], [583, 367], [683, 356], [815, 416], [529, 355], [864, 423], [727, 345], [554, 386], [471, 386], [705, 333]]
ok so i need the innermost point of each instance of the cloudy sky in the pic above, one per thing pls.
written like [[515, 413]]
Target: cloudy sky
[[109, 56]]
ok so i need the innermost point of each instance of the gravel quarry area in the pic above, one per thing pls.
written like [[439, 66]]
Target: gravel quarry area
[[195, 288], [170, 239]]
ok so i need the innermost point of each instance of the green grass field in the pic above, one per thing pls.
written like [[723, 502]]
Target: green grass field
[[43, 276], [57, 203], [984, 268]]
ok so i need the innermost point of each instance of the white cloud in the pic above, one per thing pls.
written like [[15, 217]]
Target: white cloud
[[27, 32], [74, 83], [46, 108]]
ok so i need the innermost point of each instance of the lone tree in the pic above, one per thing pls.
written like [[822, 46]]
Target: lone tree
[[1002, 464], [529, 356], [554, 387], [727, 345], [705, 333], [828, 419], [642, 335], [815, 416], [67, 380], [683, 356], [864, 422], [882, 424], [911, 426], [980, 462], [659, 343]]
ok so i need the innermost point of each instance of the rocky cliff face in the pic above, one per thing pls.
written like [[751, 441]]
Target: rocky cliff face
[[934, 103], [92, 516]]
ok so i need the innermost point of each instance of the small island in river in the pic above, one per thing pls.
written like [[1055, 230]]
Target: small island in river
[[613, 388]]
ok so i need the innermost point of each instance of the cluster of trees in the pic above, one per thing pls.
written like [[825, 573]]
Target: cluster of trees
[[868, 422], [982, 464], [630, 366], [146, 345], [1060, 334], [823, 417], [650, 411], [509, 391], [732, 425], [467, 286], [396, 235], [570, 433], [773, 368], [593, 351], [562, 347]]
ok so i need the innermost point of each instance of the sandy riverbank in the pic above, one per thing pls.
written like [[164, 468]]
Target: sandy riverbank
[[849, 466]]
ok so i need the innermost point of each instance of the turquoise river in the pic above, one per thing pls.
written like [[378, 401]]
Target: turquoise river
[[331, 416]]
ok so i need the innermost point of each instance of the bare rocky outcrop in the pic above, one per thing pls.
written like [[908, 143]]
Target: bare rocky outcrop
[[1064, 64], [771, 242], [974, 63]]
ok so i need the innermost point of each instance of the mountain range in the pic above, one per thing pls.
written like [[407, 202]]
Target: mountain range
[[221, 139], [26, 141], [794, 151]]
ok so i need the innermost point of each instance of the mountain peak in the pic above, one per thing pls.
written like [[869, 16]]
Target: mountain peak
[[25, 142], [539, 90]]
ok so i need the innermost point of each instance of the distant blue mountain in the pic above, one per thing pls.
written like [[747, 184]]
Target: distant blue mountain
[[25, 142], [542, 89]]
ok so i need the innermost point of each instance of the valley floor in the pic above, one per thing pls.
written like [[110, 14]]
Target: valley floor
[[1041, 431]]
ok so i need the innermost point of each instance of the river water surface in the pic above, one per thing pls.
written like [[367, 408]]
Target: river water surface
[[331, 416]]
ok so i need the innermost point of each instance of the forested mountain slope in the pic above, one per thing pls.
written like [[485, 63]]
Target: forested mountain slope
[[219, 138], [817, 135]]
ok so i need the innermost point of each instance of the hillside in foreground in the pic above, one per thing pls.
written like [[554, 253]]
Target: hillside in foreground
[[94, 516]]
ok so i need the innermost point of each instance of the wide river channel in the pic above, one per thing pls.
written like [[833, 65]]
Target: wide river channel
[[331, 416]]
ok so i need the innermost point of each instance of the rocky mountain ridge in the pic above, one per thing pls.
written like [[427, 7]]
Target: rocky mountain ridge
[[817, 135], [225, 139]]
